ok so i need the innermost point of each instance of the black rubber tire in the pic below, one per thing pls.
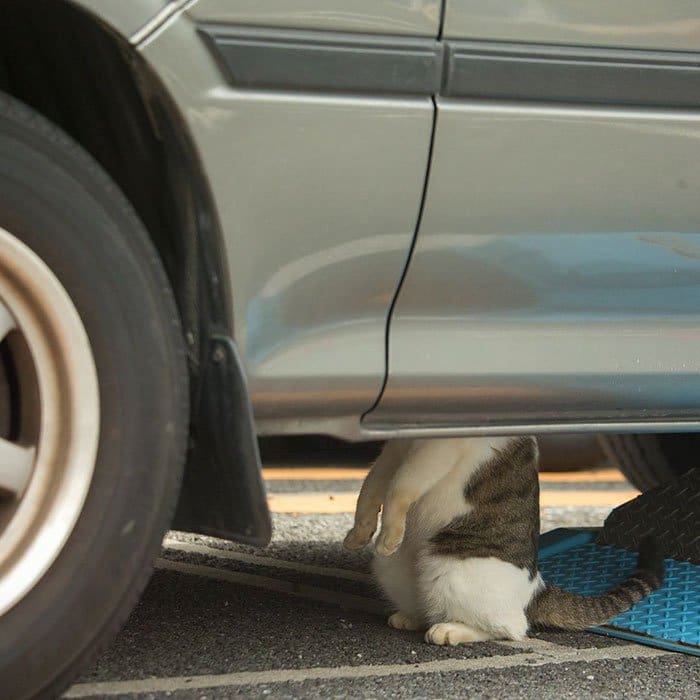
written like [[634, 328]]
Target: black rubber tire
[[650, 460], [60, 203]]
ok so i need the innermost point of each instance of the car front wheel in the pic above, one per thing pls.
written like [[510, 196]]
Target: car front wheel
[[93, 406]]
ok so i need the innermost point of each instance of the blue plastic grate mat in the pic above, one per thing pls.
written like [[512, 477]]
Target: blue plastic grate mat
[[669, 618]]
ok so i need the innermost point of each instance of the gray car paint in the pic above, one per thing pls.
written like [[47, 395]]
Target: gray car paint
[[647, 24], [556, 276], [407, 17], [318, 197], [126, 18]]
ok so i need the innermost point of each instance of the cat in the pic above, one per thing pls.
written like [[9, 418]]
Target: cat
[[457, 550]]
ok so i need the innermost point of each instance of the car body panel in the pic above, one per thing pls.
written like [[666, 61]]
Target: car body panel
[[318, 196], [645, 24], [555, 277], [401, 17], [589, 197], [556, 274]]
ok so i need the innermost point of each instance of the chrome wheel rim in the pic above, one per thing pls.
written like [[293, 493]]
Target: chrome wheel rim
[[49, 418]]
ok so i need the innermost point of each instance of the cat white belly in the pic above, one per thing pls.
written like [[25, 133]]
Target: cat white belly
[[487, 594]]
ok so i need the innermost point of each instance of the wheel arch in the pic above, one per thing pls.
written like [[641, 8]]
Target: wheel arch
[[83, 75]]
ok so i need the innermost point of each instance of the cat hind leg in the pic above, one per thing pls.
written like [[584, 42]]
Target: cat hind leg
[[402, 621]]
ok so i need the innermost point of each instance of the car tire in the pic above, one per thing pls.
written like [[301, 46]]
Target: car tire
[[69, 239], [654, 459]]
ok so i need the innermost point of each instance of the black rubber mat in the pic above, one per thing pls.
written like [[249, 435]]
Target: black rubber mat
[[670, 513]]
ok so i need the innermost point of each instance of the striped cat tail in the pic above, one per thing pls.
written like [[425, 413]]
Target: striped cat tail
[[553, 607]]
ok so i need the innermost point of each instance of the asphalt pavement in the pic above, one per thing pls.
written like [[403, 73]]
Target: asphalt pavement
[[302, 618]]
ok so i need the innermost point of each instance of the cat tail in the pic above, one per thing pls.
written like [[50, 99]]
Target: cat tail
[[553, 607]]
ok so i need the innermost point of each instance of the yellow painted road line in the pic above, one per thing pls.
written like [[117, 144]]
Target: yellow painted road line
[[592, 476], [313, 474], [354, 474], [312, 503], [329, 503], [554, 499]]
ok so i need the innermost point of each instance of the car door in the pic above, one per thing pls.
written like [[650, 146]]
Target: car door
[[555, 277], [313, 119]]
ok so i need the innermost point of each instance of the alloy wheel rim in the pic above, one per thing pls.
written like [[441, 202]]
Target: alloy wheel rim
[[50, 413]]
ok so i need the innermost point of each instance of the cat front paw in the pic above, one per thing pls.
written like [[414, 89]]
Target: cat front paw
[[388, 543], [357, 538]]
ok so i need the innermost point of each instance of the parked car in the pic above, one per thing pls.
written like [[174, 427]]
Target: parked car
[[362, 220]]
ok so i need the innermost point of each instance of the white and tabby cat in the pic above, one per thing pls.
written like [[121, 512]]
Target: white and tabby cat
[[457, 552]]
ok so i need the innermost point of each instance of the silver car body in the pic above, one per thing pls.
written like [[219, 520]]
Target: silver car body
[[505, 238]]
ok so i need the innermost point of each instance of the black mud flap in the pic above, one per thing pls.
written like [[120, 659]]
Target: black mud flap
[[222, 493]]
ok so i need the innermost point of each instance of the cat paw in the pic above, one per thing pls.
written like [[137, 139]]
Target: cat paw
[[453, 633], [401, 621], [388, 543], [357, 538]]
